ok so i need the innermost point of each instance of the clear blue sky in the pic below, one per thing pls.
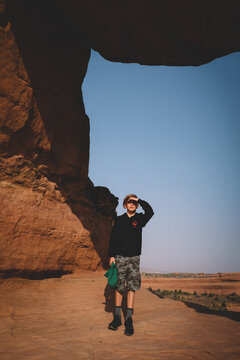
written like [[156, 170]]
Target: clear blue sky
[[171, 135]]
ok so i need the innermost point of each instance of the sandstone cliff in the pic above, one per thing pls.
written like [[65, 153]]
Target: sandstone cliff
[[52, 217]]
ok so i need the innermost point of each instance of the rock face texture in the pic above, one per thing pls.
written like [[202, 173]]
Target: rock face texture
[[41, 231], [157, 32], [52, 217]]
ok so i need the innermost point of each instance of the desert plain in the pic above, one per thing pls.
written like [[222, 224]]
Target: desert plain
[[66, 318], [217, 284]]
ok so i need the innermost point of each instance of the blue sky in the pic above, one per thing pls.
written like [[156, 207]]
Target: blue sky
[[171, 135]]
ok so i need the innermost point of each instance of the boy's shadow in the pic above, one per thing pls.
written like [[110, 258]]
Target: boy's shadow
[[109, 303]]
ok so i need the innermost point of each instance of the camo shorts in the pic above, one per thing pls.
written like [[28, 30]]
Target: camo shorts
[[128, 272]]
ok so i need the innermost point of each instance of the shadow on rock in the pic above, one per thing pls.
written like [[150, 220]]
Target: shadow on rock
[[109, 294], [33, 275], [233, 315]]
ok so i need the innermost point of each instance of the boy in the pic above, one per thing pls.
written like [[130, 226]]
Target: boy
[[124, 250]]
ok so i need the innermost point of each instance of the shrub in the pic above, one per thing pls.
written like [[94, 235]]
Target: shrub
[[214, 306], [235, 298], [224, 305]]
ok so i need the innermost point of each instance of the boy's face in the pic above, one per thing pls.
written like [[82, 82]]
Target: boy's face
[[132, 204]]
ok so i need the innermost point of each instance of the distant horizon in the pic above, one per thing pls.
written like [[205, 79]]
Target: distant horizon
[[155, 271]]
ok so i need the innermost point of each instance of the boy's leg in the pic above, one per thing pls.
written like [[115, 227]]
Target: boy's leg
[[130, 303], [118, 298], [121, 276], [120, 264], [133, 284], [118, 303], [133, 279], [130, 299], [117, 312]]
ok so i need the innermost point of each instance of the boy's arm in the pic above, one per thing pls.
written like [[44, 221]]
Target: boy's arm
[[112, 241], [148, 211]]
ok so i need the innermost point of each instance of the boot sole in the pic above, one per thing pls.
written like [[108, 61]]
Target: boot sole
[[127, 334], [113, 328]]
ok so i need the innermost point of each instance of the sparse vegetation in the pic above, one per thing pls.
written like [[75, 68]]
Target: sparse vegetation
[[178, 275], [211, 301], [233, 297]]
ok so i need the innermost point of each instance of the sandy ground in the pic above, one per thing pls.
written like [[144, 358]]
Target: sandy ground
[[66, 318]]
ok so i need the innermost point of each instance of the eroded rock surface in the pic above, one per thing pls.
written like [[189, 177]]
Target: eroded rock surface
[[67, 318], [42, 231], [52, 217]]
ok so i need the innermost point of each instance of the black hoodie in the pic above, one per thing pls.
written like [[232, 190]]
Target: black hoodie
[[126, 236]]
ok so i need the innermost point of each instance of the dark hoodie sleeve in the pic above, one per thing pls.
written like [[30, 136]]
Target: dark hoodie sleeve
[[148, 212], [112, 241]]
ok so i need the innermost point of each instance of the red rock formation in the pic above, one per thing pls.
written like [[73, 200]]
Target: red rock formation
[[51, 215], [42, 231], [157, 32]]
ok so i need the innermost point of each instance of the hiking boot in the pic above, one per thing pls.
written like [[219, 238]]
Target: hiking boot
[[115, 323], [129, 327]]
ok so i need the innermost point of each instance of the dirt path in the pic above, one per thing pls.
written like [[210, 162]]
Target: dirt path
[[67, 318]]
